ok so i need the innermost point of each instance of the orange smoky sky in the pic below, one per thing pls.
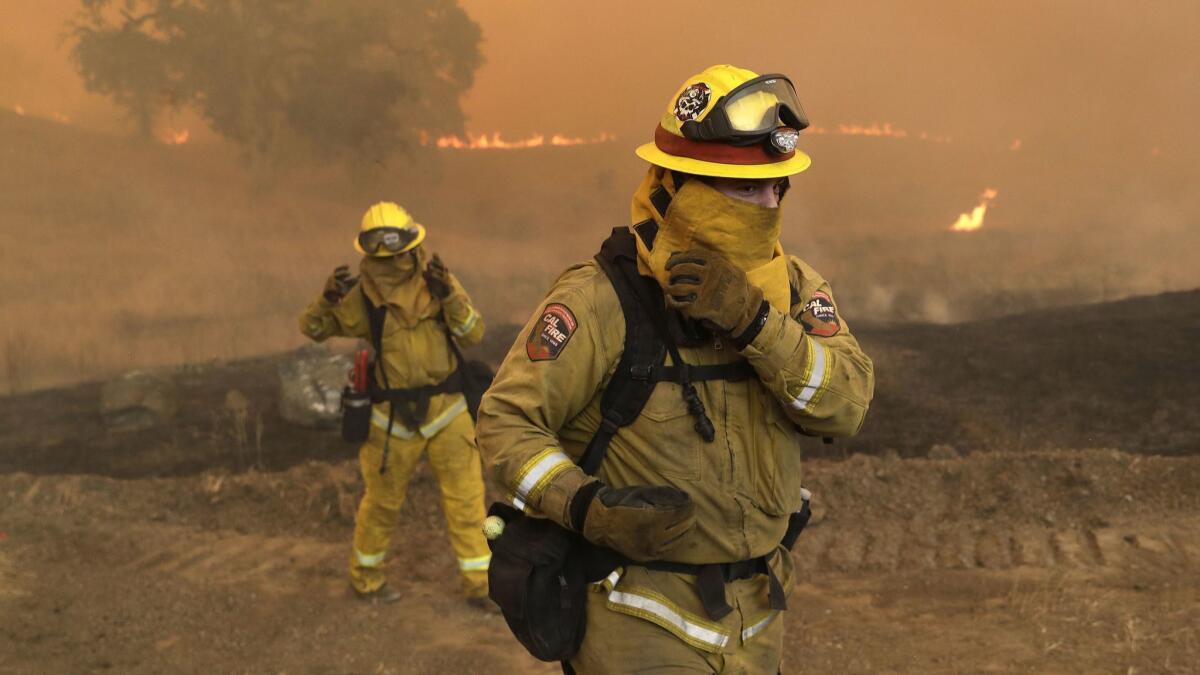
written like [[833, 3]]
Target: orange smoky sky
[[1100, 72]]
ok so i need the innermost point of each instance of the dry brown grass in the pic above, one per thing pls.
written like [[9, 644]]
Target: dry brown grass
[[117, 254]]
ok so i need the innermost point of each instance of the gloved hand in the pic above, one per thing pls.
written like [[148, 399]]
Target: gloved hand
[[640, 522], [338, 284], [437, 277], [703, 285]]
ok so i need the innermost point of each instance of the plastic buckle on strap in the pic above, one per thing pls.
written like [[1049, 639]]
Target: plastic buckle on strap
[[641, 373], [610, 425]]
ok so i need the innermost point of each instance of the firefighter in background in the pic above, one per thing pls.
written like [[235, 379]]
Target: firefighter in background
[[414, 304], [695, 494]]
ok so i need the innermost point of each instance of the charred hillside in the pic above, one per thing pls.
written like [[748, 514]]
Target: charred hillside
[[1122, 375]]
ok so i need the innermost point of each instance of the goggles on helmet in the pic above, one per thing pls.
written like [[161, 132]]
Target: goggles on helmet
[[751, 112], [391, 239]]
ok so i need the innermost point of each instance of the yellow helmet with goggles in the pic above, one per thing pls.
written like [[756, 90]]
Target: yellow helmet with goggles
[[733, 123], [387, 230]]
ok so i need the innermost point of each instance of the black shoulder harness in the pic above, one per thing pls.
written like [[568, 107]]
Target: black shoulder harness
[[643, 361]]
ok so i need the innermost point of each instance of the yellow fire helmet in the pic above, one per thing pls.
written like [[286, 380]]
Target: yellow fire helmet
[[387, 230], [730, 122]]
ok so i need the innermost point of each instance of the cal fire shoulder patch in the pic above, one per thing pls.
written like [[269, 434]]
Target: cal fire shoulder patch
[[820, 316], [551, 333]]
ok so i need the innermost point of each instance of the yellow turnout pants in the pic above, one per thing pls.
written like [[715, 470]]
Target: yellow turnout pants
[[622, 636], [456, 465]]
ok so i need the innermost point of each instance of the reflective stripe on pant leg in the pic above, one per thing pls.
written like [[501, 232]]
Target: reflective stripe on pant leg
[[368, 560], [444, 420], [657, 609], [379, 509], [475, 564], [457, 467], [380, 420], [757, 627]]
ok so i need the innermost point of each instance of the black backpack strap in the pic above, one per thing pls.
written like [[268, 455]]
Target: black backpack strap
[[648, 296], [633, 382], [375, 319]]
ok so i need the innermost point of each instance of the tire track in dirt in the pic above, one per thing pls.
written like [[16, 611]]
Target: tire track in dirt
[[274, 563], [826, 549]]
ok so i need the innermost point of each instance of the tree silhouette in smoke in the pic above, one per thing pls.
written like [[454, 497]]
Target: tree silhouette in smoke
[[337, 80]]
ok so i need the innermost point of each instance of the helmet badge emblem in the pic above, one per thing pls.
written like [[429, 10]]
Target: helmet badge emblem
[[692, 102]]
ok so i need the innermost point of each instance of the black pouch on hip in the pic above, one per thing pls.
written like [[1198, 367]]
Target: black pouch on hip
[[537, 578], [796, 523], [356, 415]]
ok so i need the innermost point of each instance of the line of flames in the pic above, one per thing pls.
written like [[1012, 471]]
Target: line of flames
[[495, 142], [969, 222], [877, 130]]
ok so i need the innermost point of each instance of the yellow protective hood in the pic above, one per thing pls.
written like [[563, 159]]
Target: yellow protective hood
[[701, 217], [396, 281]]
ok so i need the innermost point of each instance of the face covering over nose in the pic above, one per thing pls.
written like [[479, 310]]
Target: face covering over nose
[[747, 234], [396, 282]]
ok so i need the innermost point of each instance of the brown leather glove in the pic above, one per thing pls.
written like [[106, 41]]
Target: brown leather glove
[[338, 284], [640, 522], [703, 285], [437, 277]]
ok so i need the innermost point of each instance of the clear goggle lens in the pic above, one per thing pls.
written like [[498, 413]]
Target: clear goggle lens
[[763, 104], [391, 239]]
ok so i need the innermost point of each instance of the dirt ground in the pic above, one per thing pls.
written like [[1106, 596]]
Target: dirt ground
[[1056, 561], [187, 548]]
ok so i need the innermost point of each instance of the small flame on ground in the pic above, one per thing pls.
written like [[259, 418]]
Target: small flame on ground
[[495, 142], [19, 109], [877, 130], [1016, 145], [172, 137], [969, 222]]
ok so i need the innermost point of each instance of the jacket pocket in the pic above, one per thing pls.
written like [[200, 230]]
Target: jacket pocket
[[665, 428], [776, 464]]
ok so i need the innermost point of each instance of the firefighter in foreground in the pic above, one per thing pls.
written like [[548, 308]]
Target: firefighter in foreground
[[408, 308], [735, 349]]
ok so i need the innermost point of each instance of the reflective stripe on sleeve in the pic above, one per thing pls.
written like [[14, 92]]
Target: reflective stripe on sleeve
[[365, 560], [467, 325], [816, 377], [474, 564], [758, 626], [537, 473], [609, 582], [701, 634]]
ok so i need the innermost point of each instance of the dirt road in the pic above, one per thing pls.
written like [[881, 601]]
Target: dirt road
[[1069, 562]]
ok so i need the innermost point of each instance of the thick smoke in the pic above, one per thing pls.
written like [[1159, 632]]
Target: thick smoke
[[1079, 114]]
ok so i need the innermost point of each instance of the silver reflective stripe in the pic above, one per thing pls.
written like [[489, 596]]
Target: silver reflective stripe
[[459, 407], [816, 378], [429, 430], [758, 627], [674, 619], [519, 504], [398, 430], [365, 560], [471, 564], [472, 319], [539, 469]]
